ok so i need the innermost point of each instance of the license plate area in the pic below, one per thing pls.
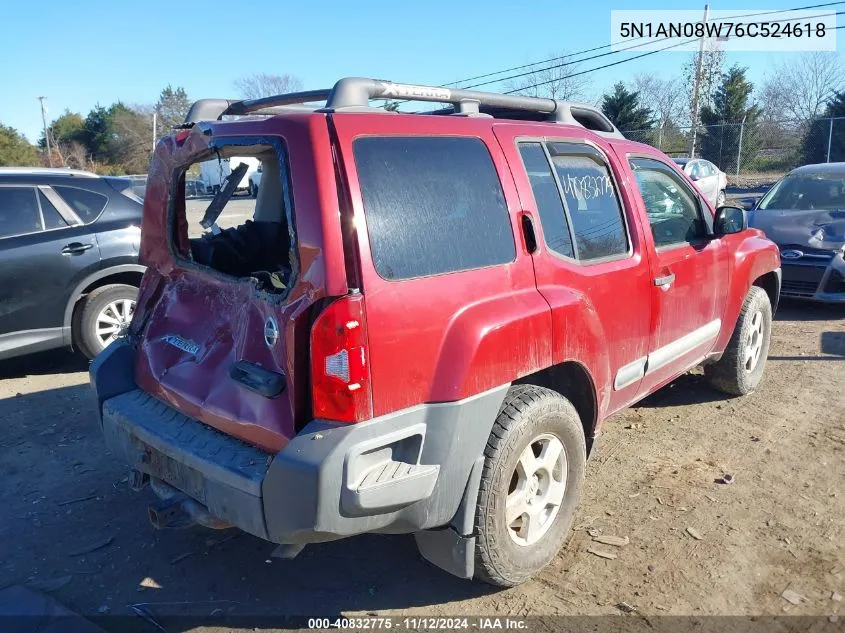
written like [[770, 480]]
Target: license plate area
[[173, 472]]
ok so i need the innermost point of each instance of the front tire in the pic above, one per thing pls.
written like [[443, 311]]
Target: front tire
[[740, 369], [530, 486], [104, 316]]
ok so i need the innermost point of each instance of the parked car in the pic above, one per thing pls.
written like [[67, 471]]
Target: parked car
[[254, 182], [139, 184], [195, 189], [426, 323], [69, 269], [710, 179], [804, 214]]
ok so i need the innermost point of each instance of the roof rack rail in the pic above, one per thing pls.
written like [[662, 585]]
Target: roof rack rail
[[48, 171], [355, 93]]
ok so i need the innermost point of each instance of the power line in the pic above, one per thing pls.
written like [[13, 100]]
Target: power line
[[597, 48], [622, 61]]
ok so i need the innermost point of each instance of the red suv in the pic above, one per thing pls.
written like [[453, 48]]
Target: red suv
[[423, 324]]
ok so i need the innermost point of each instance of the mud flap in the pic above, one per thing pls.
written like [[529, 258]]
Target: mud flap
[[448, 550], [452, 549]]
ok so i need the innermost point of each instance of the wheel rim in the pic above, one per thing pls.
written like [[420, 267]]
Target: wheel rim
[[113, 320], [753, 343], [536, 490], [721, 198]]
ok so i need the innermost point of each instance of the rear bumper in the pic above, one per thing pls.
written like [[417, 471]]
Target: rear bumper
[[404, 472]]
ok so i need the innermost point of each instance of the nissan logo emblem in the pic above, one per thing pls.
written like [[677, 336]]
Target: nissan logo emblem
[[791, 254], [271, 332]]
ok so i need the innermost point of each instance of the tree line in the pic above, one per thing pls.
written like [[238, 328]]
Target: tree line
[[119, 139], [795, 95]]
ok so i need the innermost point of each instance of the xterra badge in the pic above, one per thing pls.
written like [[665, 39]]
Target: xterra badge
[[186, 346]]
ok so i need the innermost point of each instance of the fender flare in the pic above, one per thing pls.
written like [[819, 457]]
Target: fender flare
[[87, 281]]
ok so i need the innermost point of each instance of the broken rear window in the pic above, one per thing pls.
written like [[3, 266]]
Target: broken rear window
[[240, 223]]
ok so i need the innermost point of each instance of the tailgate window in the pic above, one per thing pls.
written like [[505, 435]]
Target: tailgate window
[[242, 224]]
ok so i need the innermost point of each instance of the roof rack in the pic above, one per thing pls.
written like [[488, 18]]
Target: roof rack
[[355, 93], [48, 171]]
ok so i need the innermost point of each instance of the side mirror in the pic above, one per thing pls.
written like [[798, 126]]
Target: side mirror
[[729, 220]]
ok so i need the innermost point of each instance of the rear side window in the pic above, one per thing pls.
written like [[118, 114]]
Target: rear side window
[[52, 219], [433, 205], [86, 204], [18, 211], [547, 197]]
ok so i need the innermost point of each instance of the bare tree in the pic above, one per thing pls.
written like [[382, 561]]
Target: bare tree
[[552, 80], [664, 97], [265, 85], [711, 76], [75, 155], [799, 89]]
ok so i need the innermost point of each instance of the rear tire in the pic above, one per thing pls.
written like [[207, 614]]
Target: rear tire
[[740, 369], [105, 311], [533, 473]]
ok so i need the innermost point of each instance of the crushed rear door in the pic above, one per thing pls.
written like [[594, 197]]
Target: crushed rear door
[[223, 314]]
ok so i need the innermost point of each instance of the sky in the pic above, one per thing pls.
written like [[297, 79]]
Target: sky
[[83, 52]]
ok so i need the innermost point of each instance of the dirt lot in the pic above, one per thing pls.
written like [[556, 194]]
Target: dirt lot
[[696, 546]]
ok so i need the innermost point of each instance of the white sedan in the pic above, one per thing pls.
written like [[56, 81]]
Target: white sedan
[[711, 180]]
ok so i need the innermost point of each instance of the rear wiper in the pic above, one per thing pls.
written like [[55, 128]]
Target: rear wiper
[[226, 191]]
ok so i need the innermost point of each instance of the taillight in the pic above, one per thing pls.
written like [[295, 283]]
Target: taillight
[[340, 372]]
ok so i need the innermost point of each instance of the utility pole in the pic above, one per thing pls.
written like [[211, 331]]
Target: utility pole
[[155, 124], [696, 90], [829, 139], [46, 135]]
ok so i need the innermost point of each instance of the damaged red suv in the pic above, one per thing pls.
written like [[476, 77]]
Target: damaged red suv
[[420, 323]]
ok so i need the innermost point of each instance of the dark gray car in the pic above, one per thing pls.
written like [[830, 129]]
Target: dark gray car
[[69, 269], [804, 214]]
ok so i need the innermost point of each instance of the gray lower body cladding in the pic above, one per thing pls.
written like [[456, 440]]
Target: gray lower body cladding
[[403, 472]]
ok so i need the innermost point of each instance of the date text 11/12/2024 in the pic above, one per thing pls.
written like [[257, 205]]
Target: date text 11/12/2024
[[418, 623]]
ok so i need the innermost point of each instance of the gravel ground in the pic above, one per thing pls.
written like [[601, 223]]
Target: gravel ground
[[696, 547]]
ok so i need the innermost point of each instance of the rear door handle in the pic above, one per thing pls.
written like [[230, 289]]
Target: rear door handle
[[665, 281], [76, 248]]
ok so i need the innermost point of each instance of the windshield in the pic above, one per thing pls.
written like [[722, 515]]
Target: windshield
[[806, 192]]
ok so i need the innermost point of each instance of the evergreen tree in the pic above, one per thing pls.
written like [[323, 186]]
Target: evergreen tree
[[172, 107], [15, 150], [818, 134], [67, 128], [723, 121], [622, 107]]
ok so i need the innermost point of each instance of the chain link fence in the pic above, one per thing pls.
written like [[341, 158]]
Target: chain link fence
[[755, 153]]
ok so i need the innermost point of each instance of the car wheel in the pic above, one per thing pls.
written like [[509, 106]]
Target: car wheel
[[104, 316], [530, 485], [720, 199], [740, 369]]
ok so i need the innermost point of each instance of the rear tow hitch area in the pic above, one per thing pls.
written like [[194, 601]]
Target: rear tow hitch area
[[177, 510]]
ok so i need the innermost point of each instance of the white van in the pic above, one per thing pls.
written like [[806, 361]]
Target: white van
[[214, 172]]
